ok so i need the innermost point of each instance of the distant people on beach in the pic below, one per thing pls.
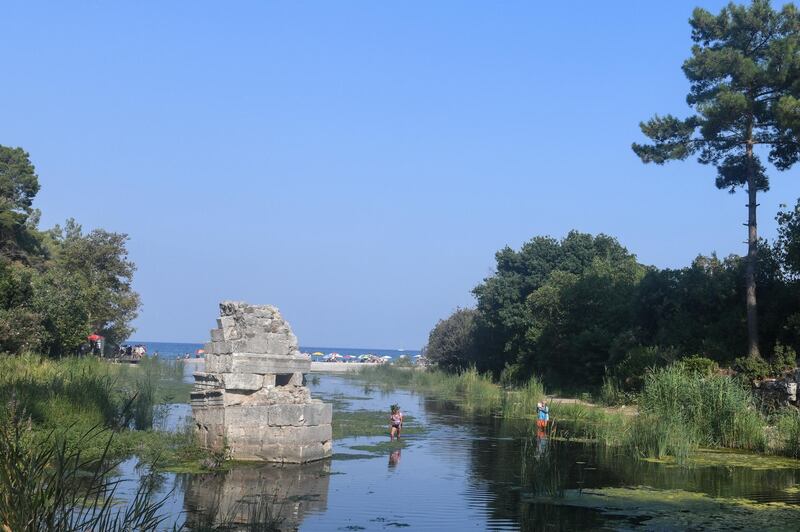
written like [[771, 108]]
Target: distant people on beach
[[134, 352], [395, 422]]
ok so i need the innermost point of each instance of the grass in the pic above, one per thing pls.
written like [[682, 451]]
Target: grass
[[73, 395], [473, 392], [713, 411], [48, 483], [787, 432], [679, 411]]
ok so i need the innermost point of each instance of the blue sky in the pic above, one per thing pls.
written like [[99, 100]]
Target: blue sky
[[355, 163]]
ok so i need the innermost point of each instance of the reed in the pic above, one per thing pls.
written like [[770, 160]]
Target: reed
[[713, 411], [49, 484], [787, 431], [521, 402]]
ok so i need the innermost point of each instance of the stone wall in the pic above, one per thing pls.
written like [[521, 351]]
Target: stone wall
[[251, 396]]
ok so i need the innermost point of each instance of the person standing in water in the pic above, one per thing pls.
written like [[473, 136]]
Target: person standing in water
[[542, 416], [395, 422]]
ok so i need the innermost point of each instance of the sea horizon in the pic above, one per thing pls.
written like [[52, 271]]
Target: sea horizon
[[176, 349]]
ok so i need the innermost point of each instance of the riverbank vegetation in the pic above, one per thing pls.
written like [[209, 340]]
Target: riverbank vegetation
[[59, 285], [679, 410], [75, 396]]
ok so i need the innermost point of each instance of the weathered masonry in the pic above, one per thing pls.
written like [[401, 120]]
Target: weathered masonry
[[251, 396]]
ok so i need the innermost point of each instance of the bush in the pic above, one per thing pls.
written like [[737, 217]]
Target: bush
[[451, 343], [752, 368], [699, 365], [783, 358], [630, 372]]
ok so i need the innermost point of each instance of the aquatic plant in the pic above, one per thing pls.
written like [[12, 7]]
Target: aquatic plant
[[611, 393], [49, 484], [521, 402], [542, 472], [714, 411], [787, 429]]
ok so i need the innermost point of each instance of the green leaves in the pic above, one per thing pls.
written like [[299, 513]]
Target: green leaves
[[672, 139], [744, 70]]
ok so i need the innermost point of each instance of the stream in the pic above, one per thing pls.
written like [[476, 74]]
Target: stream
[[456, 472]]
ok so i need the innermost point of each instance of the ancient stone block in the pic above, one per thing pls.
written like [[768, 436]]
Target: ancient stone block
[[251, 395], [242, 381], [245, 362]]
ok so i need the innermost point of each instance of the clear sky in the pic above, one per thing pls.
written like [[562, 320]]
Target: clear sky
[[355, 163]]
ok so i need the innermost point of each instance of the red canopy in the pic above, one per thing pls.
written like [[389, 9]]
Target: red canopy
[[93, 337]]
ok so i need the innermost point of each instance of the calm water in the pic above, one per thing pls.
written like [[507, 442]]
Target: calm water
[[460, 474], [169, 350]]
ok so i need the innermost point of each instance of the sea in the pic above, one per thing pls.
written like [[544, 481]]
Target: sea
[[170, 350]]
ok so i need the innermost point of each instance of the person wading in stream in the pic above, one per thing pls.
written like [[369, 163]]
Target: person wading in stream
[[542, 416], [395, 422]]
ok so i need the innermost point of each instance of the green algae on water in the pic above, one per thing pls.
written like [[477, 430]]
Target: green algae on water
[[730, 458], [654, 509], [366, 423]]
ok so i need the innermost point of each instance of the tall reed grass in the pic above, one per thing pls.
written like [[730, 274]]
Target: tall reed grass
[[49, 484], [472, 391], [713, 411]]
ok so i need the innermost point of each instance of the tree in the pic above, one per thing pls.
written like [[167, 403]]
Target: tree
[[18, 186], [745, 74], [451, 344], [100, 260], [788, 243], [514, 329]]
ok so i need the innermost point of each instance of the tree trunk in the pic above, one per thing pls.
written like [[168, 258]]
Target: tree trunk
[[752, 257]]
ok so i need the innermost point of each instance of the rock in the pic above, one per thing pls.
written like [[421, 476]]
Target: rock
[[251, 395], [777, 392]]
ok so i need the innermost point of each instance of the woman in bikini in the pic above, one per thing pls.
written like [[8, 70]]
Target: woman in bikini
[[395, 423]]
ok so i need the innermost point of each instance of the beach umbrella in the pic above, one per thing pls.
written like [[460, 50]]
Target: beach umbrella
[[317, 354], [93, 337], [200, 351]]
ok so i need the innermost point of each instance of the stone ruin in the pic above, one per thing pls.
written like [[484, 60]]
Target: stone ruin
[[251, 397]]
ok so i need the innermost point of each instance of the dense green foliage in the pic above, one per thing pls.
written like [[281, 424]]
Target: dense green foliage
[[60, 285], [451, 344], [582, 308]]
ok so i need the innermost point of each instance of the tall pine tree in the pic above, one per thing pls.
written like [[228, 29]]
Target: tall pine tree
[[745, 76]]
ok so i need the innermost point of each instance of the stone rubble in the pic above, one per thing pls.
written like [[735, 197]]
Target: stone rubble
[[251, 396]]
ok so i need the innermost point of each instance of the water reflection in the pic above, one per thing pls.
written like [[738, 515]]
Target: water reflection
[[286, 493], [462, 472], [394, 458]]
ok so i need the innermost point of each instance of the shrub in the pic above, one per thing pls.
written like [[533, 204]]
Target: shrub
[[752, 368], [451, 343], [630, 372], [783, 358], [699, 365]]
